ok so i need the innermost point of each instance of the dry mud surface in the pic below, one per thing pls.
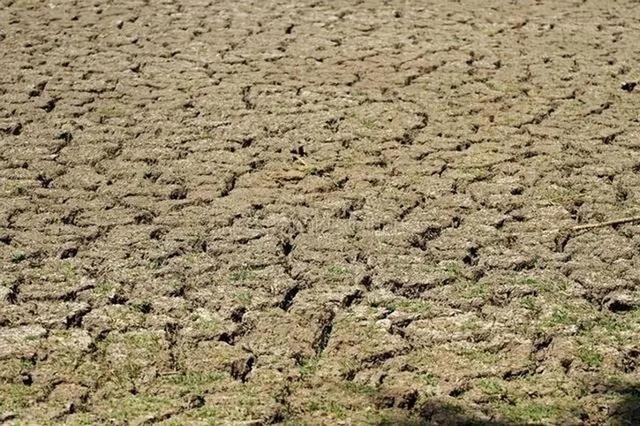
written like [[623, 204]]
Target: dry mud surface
[[322, 212]]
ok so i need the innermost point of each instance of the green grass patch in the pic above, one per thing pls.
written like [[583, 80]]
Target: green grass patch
[[330, 407], [207, 414], [337, 270], [360, 389], [590, 357], [242, 274], [528, 412], [309, 366], [429, 379], [193, 382], [491, 387], [18, 257], [473, 354], [132, 407], [410, 305], [543, 285], [529, 303], [471, 290], [243, 297], [14, 397]]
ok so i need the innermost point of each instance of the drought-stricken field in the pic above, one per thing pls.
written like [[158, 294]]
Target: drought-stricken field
[[319, 212]]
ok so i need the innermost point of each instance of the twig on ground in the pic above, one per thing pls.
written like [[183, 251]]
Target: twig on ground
[[603, 224], [304, 163], [568, 230]]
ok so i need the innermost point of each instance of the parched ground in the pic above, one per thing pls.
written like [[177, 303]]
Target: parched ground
[[319, 212]]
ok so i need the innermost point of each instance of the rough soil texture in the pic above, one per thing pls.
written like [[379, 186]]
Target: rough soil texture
[[321, 212]]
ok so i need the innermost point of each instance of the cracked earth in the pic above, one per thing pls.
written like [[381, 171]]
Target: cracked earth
[[320, 212]]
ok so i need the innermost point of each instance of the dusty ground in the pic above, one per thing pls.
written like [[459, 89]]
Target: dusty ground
[[323, 213]]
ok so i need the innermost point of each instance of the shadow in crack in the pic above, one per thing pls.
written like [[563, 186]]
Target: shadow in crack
[[624, 413], [627, 412], [439, 413]]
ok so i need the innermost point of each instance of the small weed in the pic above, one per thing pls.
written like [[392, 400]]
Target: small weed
[[207, 413], [337, 270], [293, 422], [348, 365], [144, 306], [532, 281], [138, 351], [368, 123], [560, 316], [19, 191], [313, 406], [18, 257], [309, 367], [104, 288], [31, 337], [15, 396], [336, 409], [410, 305], [84, 419], [336, 273], [385, 420], [590, 356], [452, 269], [613, 324], [578, 315], [193, 380], [491, 387], [242, 274], [451, 408], [136, 406], [69, 271], [543, 285], [529, 303], [143, 340], [311, 170], [470, 290], [156, 263], [26, 364], [479, 356], [429, 379], [243, 297], [617, 328], [190, 258], [207, 326], [360, 389], [471, 325]]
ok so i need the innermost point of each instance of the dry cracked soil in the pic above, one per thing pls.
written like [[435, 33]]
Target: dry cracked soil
[[319, 212]]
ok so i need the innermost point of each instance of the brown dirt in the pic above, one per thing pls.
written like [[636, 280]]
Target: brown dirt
[[320, 213]]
